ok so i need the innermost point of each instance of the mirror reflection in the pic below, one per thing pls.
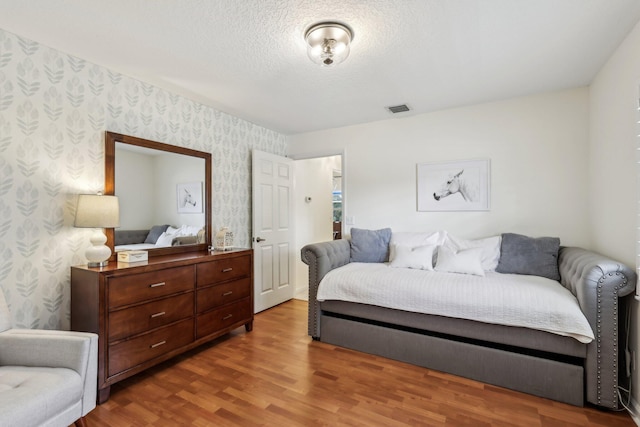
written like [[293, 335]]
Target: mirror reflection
[[162, 199]]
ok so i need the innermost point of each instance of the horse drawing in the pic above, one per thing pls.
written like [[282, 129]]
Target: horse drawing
[[455, 184], [188, 199]]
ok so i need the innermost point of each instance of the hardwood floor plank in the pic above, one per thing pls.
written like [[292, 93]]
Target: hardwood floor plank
[[277, 376]]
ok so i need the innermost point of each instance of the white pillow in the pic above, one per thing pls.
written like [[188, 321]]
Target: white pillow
[[466, 261], [186, 230], [413, 239], [490, 249], [165, 239], [420, 257]]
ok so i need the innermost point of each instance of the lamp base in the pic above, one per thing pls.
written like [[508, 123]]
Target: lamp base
[[98, 264], [98, 253]]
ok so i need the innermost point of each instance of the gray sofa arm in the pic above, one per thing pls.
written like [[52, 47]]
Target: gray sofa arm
[[322, 258], [599, 283], [55, 349]]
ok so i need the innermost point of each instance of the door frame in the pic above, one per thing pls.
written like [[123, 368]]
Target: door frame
[[329, 153], [343, 165]]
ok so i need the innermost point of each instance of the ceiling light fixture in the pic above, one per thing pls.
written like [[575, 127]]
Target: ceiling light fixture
[[328, 43]]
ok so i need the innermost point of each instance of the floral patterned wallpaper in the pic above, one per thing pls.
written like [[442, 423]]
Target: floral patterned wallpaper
[[54, 110]]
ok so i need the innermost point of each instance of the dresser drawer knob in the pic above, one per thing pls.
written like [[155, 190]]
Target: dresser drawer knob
[[158, 344], [226, 294], [156, 285], [228, 316], [162, 313], [226, 270]]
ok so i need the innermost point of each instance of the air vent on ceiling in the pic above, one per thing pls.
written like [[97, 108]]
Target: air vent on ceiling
[[398, 108]]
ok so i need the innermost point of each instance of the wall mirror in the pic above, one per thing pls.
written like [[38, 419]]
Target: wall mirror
[[164, 193]]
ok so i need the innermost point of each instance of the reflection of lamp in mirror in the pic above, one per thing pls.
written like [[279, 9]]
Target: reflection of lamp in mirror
[[97, 211]]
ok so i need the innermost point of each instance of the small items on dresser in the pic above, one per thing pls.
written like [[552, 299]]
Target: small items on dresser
[[133, 256], [224, 240]]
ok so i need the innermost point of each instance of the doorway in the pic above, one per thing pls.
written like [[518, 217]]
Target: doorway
[[318, 207]]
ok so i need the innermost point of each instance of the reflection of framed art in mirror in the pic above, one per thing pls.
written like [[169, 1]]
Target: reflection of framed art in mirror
[[189, 197]]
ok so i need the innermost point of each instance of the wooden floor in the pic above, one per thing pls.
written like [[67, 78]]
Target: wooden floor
[[277, 376]]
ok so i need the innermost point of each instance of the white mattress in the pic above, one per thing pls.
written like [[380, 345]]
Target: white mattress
[[504, 299]]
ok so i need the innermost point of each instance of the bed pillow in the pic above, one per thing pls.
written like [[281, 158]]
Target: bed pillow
[[419, 257], [370, 245], [415, 239], [155, 232], [466, 261], [490, 249], [165, 239], [187, 230], [527, 255]]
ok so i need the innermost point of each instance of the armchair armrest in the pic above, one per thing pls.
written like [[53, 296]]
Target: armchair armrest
[[56, 349]]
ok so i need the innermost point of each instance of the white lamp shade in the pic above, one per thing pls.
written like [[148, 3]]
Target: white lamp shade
[[97, 211]]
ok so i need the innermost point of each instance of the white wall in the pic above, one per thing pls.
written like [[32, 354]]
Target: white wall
[[613, 184], [171, 170], [313, 220], [538, 147], [613, 116], [134, 172]]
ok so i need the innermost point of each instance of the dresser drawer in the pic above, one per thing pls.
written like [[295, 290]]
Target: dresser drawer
[[130, 353], [133, 320], [218, 295], [213, 321], [141, 287], [222, 270]]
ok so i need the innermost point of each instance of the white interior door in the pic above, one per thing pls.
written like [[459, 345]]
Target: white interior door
[[272, 229]]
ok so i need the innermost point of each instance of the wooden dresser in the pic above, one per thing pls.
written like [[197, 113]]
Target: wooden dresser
[[148, 312]]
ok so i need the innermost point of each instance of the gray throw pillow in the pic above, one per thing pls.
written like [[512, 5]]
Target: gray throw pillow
[[527, 255], [370, 245], [155, 232]]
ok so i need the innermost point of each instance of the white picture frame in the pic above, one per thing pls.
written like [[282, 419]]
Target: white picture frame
[[189, 197], [453, 186]]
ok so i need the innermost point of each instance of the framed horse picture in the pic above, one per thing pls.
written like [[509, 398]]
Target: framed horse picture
[[189, 197], [453, 186]]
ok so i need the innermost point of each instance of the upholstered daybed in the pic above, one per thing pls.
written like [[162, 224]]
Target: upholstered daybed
[[157, 236], [555, 366]]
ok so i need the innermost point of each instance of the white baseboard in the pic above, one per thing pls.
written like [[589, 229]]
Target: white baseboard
[[634, 411], [302, 293]]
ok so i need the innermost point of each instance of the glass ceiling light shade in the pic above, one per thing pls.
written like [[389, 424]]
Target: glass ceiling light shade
[[97, 211], [328, 43]]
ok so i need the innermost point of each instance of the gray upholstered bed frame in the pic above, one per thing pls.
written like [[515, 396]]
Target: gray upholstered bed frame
[[535, 362], [128, 237]]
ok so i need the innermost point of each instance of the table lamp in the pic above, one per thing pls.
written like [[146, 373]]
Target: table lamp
[[97, 211]]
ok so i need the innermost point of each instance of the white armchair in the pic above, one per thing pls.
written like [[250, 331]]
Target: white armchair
[[47, 378]]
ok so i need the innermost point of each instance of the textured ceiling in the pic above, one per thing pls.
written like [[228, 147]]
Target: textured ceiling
[[248, 58]]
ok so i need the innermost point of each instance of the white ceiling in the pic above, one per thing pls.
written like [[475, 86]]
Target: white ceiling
[[248, 58]]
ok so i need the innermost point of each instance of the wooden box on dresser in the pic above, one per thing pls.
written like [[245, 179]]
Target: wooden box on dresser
[[147, 312]]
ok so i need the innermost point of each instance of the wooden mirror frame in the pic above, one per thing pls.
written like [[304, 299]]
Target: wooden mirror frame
[[109, 187]]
